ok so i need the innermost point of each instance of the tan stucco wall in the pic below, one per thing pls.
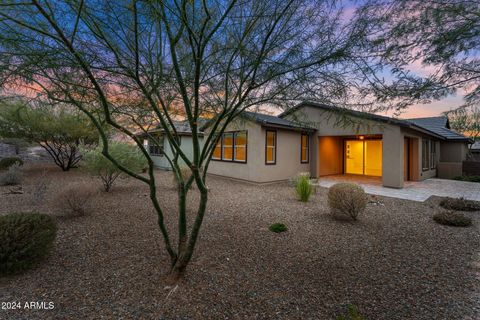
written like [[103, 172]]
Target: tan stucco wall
[[453, 151], [331, 124], [330, 159], [288, 156], [449, 170], [328, 123]]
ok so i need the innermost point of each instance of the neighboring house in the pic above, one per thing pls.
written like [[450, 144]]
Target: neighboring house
[[475, 150], [160, 148], [326, 140]]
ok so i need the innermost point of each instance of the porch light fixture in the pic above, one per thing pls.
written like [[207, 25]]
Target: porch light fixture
[[361, 137]]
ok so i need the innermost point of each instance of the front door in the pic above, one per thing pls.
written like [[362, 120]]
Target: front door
[[363, 157]]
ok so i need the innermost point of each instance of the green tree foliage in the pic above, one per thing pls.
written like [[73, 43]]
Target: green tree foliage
[[442, 37], [127, 155], [59, 130]]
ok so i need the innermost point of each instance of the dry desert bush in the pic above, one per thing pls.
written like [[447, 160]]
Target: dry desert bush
[[347, 199]]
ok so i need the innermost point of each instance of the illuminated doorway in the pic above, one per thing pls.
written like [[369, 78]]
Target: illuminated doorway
[[363, 157]]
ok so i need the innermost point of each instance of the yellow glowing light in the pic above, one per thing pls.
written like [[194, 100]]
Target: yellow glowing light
[[361, 137]]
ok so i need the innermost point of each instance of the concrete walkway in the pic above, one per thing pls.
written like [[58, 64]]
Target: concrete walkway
[[416, 191]]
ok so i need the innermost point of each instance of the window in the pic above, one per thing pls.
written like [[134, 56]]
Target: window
[[425, 154], [270, 147], [433, 162], [304, 151], [232, 146], [227, 146], [240, 151], [155, 146]]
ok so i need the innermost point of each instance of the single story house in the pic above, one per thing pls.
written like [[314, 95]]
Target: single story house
[[475, 150], [160, 148], [326, 140]]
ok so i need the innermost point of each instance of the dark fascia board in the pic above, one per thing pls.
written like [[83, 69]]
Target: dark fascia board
[[368, 116], [160, 130]]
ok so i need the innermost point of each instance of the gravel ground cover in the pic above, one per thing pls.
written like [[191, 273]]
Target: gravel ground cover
[[394, 263]]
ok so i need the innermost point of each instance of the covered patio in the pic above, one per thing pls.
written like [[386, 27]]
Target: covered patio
[[412, 190]]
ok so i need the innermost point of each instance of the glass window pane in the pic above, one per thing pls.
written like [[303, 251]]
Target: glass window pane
[[270, 138], [217, 153], [304, 154], [240, 154], [270, 154]]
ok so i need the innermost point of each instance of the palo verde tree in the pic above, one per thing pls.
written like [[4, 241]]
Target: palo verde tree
[[442, 37], [58, 129], [140, 64], [466, 120]]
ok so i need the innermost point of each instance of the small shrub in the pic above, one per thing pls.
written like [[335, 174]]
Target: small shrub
[[74, 200], [5, 163], [450, 218], [25, 239], [127, 155], [347, 199], [186, 173], [278, 227], [459, 204], [12, 177], [352, 314], [40, 189], [303, 187], [468, 178]]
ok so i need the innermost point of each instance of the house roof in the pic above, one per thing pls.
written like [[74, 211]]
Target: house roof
[[438, 127], [182, 128], [274, 121], [476, 146]]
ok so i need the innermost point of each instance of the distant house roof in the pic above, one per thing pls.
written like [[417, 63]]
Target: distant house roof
[[275, 121], [475, 146], [438, 127], [182, 128]]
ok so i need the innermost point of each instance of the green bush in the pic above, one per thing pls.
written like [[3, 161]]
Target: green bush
[[278, 227], [450, 218], [303, 187], [125, 154], [468, 178], [347, 199], [459, 204], [25, 239], [352, 314], [12, 176], [5, 163]]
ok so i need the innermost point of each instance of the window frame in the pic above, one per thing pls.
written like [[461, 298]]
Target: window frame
[[307, 147], [160, 152], [274, 147], [433, 154], [426, 154], [220, 141]]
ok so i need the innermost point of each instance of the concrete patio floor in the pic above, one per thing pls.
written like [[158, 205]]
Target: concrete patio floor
[[412, 190]]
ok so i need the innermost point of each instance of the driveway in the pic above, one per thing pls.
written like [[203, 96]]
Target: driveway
[[412, 190]]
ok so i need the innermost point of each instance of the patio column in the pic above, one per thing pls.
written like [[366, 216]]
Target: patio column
[[392, 157]]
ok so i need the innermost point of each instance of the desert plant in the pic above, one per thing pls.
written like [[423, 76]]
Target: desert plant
[[459, 204], [125, 154], [303, 187], [74, 200], [40, 188], [347, 199], [5, 163], [277, 227], [57, 129], [12, 176], [185, 172], [352, 314], [25, 239], [468, 178], [450, 218]]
